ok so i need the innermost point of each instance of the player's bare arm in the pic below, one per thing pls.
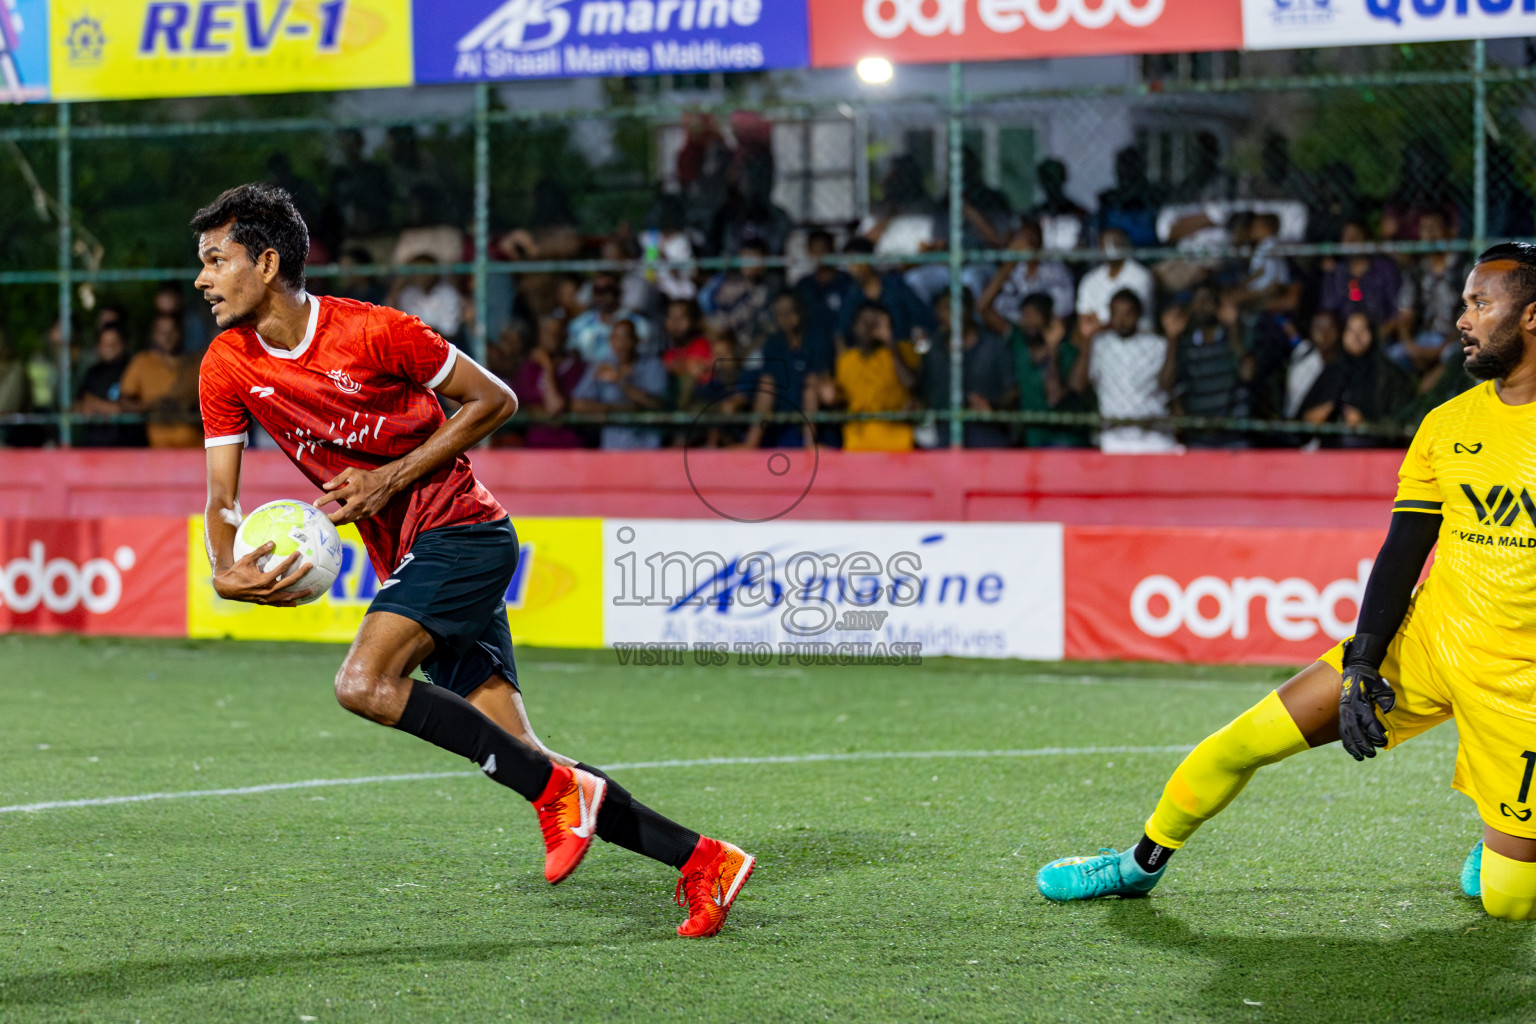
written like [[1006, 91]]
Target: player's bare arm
[[485, 403], [241, 579]]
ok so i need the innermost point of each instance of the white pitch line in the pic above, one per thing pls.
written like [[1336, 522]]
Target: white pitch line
[[702, 762], [901, 755], [274, 787]]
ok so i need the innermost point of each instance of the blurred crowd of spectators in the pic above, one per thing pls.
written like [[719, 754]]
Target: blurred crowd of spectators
[[1248, 334], [156, 380]]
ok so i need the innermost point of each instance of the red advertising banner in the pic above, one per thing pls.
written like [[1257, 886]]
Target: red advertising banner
[[843, 32], [114, 576], [1278, 597]]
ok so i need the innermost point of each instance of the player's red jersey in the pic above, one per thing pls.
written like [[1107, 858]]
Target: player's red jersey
[[357, 391]]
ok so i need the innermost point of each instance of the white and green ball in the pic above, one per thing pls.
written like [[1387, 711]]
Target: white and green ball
[[294, 526]]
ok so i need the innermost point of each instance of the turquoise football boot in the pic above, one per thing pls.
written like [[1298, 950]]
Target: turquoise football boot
[[1472, 872], [1111, 873]]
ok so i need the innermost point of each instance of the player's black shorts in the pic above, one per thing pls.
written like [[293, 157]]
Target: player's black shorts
[[454, 582]]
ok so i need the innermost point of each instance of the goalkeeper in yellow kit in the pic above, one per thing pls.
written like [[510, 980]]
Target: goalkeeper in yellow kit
[[1463, 646]]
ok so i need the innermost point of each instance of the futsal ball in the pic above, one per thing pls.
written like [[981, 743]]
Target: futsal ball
[[294, 526]]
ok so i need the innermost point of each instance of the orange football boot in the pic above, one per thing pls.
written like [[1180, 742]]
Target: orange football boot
[[711, 879], [568, 816]]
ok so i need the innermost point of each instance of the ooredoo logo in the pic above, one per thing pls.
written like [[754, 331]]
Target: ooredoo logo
[[60, 585], [888, 19], [1210, 607]]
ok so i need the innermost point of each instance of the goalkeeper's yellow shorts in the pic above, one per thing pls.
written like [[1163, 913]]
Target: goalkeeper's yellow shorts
[[1496, 756]]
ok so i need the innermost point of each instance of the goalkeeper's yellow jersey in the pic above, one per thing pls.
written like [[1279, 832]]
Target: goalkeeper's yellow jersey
[[1473, 461]]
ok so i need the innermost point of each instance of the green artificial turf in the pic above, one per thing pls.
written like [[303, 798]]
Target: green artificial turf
[[886, 890]]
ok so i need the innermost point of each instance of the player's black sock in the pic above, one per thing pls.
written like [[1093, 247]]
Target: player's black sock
[[625, 821], [443, 718], [1150, 857]]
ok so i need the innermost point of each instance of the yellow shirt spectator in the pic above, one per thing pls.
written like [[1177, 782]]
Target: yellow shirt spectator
[[870, 380], [162, 382]]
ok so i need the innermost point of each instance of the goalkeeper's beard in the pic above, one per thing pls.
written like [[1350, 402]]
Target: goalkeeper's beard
[[1500, 354]]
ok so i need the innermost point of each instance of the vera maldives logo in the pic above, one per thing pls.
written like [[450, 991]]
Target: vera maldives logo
[[343, 382], [1502, 506], [888, 19]]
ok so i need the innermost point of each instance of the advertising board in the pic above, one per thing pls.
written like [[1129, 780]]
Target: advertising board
[[961, 589], [23, 50], [1301, 24], [1213, 595], [471, 41], [843, 32], [107, 576], [128, 49], [554, 599]]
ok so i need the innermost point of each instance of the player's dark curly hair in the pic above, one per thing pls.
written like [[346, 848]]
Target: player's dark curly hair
[[265, 218], [1523, 278]]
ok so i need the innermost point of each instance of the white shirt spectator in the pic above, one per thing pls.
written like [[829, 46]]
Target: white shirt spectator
[[904, 234], [672, 283], [675, 283], [588, 334], [1100, 284], [1049, 277], [439, 307], [1305, 367], [1292, 214], [927, 280], [441, 244], [1124, 374], [1061, 231], [930, 279], [634, 291], [1265, 269]]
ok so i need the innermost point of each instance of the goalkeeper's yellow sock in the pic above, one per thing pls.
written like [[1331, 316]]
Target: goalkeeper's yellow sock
[[1218, 769], [1509, 887]]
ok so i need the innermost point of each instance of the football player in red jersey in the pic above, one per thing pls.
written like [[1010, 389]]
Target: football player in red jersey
[[347, 391]]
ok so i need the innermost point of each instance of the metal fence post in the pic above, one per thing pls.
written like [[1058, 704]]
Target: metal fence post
[[1479, 145], [64, 390], [956, 255], [477, 342]]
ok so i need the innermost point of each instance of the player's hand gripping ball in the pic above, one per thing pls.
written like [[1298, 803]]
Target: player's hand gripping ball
[[294, 526]]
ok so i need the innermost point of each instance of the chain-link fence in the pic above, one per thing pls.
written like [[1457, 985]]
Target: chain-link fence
[[1246, 199]]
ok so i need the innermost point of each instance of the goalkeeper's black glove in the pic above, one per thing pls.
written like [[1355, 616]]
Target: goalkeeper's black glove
[[1364, 691]]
